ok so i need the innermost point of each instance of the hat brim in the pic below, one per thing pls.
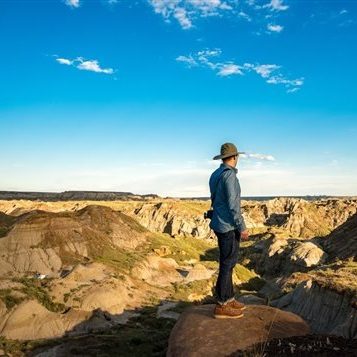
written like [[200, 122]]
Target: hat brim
[[218, 157]]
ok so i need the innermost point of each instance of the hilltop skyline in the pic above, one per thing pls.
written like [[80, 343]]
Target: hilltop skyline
[[139, 96]]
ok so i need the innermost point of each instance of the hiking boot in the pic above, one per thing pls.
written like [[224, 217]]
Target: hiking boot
[[227, 312], [237, 305]]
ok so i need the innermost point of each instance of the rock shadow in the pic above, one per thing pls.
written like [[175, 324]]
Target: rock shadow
[[136, 332], [277, 219]]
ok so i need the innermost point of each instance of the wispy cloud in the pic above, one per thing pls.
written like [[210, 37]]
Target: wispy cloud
[[64, 61], [276, 5], [275, 28], [84, 65], [187, 11], [187, 59], [72, 3], [258, 157], [181, 15], [184, 11], [271, 73], [244, 15], [206, 58], [227, 69]]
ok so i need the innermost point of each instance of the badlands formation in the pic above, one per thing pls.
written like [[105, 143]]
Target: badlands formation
[[110, 278]]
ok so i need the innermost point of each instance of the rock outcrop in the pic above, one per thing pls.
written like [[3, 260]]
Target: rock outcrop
[[298, 217], [326, 311], [30, 320], [157, 271], [45, 242], [197, 333], [173, 218], [342, 242], [288, 217], [278, 256]]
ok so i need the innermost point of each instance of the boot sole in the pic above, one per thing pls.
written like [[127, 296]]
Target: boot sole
[[227, 316]]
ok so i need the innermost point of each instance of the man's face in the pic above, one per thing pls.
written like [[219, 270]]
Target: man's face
[[236, 158]]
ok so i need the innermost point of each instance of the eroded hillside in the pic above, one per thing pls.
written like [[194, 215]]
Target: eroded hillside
[[72, 269]]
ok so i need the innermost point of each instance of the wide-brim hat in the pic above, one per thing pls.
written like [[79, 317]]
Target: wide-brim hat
[[227, 150]]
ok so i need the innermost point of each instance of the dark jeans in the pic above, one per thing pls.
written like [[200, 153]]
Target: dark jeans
[[228, 244]]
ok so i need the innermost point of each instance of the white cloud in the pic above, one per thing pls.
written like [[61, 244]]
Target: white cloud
[[85, 65], [276, 5], [292, 85], [227, 69], [245, 16], [259, 157], [292, 90], [187, 59], [185, 11], [93, 66], [275, 28], [72, 3], [206, 57], [343, 12], [180, 14], [64, 61], [264, 70], [271, 73]]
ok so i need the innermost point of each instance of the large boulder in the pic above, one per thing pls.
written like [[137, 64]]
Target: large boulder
[[197, 333]]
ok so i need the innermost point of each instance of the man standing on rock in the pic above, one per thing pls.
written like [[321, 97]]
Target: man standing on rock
[[228, 224]]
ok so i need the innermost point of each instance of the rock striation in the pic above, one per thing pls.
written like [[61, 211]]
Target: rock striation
[[45, 243], [173, 218], [287, 217], [290, 217], [326, 311], [342, 242]]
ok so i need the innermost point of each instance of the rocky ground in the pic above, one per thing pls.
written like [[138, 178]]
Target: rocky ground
[[78, 277], [309, 345]]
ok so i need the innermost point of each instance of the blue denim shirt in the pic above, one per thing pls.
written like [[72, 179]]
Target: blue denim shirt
[[225, 197]]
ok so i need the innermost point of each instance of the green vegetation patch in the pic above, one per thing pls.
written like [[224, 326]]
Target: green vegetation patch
[[9, 299], [339, 277], [182, 248], [120, 259], [6, 223], [34, 290], [198, 287]]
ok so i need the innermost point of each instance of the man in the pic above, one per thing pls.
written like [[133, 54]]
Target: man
[[228, 224]]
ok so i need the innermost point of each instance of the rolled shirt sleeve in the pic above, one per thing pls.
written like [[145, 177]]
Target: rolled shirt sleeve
[[233, 191]]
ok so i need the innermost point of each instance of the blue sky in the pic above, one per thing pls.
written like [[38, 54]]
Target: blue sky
[[139, 95]]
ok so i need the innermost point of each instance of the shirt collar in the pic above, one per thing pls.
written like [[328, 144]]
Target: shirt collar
[[223, 165]]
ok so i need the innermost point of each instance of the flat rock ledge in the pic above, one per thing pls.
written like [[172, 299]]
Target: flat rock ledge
[[197, 333]]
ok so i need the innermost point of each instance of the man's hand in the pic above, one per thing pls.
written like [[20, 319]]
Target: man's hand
[[244, 235]]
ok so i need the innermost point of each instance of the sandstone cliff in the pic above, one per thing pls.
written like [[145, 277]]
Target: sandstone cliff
[[327, 311], [342, 242]]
